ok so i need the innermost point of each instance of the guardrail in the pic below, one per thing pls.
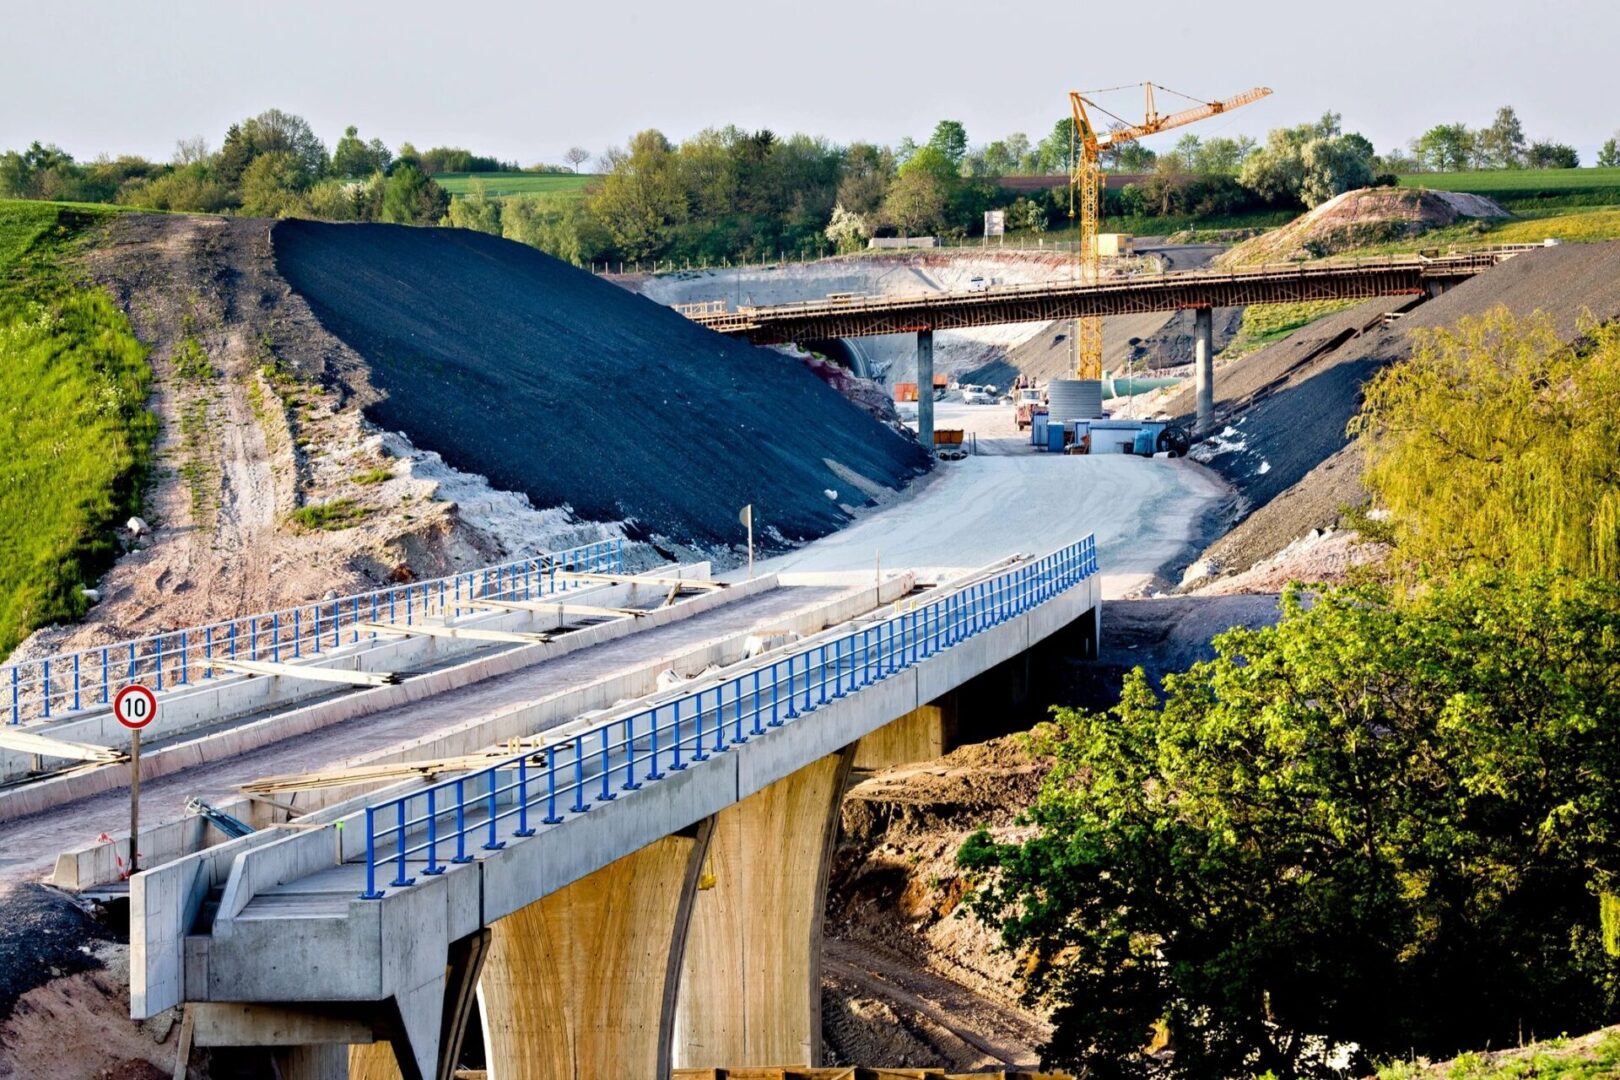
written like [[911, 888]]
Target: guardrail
[[623, 753], [67, 684]]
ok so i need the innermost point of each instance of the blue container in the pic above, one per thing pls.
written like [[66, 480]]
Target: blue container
[[1037, 430], [1054, 437], [1144, 443]]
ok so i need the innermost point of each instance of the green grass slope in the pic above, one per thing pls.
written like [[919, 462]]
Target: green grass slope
[[1527, 190], [518, 183], [75, 435]]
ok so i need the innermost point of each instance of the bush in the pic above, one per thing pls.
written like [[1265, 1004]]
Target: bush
[[1379, 828]]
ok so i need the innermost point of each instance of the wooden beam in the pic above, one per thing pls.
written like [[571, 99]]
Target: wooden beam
[[559, 607], [466, 633], [45, 746], [309, 672]]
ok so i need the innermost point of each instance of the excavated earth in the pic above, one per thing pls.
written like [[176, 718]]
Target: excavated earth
[[1281, 413], [1362, 218]]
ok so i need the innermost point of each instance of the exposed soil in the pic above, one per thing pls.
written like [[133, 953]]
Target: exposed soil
[[557, 384], [1282, 412], [908, 978], [1361, 218], [255, 425]]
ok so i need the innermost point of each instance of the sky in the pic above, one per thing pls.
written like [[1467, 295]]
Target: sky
[[525, 81]]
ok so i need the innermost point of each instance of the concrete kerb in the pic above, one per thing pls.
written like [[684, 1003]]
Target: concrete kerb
[[57, 790], [525, 869]]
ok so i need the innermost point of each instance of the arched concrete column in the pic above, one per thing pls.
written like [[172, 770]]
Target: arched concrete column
[[581, 983], [923, 734], [750, 990], [381, 1060]]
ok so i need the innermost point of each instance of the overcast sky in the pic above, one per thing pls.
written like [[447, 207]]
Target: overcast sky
[[525, 81]]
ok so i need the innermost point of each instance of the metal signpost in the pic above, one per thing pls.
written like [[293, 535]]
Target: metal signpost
[[135, 707], [995, 224]]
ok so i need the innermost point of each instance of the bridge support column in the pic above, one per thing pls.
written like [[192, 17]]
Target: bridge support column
[[581, 983], [1204, 367], [923, 734], [750, 989], [925, 389], [381, 1060]]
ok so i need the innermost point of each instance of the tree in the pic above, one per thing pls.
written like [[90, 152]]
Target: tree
[[1494, 444], [1131, 157], [1609, 156], [1501, 146], [847, 230], [916, 200], [1445, 148], [1057, 150], [1333, 166], [356, 160], [475, 211], [556, 224], [271, 186], [866, 172], [950, 139], [1380, 827], [411, 198], [577, 156], [1552, 155], [192, 151], [642, 201]]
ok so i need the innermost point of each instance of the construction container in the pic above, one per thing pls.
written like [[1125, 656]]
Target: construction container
[[905, 391], [1112, 245], [1144, 442], [948, 436], [1037, 430], [1054, 437], [1075, 399], [1114, 436]]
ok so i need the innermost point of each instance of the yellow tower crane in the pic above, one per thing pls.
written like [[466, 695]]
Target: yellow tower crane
[[1086, 188]]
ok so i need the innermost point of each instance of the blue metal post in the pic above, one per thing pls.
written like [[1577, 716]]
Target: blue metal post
[[579, 777], [675, 750], [607, 796], [371, 892], [400, 880], [523, 798], [432, 866], [551, 786], [493, 844], [628, 726], [461, 823]]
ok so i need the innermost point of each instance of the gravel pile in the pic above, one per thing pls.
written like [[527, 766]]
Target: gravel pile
[[556, 384]]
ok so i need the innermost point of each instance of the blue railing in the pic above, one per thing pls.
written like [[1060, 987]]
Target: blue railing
[[436, 826], [62, 685]]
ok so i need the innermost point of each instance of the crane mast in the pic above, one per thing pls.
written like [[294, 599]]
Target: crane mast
[[1086, 183]]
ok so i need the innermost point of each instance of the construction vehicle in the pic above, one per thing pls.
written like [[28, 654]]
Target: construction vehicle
[[1086, 179], [1028, 405]]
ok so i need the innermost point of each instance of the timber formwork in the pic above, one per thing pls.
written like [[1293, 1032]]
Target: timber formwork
[[1362, 279]]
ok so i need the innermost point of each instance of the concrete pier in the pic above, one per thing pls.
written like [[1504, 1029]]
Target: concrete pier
[[925, 389], [1204, 367]]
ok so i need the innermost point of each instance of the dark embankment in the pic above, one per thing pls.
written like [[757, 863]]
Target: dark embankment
[[1282, 413], [554, 383]]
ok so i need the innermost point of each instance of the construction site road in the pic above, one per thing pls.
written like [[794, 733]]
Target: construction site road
[[1148, 514], [29, 846]]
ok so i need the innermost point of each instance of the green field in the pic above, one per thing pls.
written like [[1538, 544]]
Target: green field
[[518, 183], [75, 436], [1527, 190]]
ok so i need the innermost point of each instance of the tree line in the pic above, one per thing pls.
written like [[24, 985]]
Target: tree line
[[728, 193]]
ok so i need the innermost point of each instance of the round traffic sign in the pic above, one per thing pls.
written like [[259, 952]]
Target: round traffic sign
[[135, 707]]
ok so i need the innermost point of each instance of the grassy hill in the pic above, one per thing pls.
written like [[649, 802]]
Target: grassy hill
[[75, 436], [1522, 191], [515, 183]]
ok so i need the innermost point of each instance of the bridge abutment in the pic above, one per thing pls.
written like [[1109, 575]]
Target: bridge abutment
[[750, 991], [923, 734], [925, 389], [581, 983]]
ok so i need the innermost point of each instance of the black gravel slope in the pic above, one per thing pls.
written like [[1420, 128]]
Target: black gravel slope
[[1299, 420], [554, 383]]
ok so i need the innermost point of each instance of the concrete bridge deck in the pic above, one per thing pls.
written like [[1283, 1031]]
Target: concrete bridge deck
[[866, 316], [642, 889]]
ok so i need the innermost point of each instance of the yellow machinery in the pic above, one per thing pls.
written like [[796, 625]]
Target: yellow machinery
[[1086, 188]]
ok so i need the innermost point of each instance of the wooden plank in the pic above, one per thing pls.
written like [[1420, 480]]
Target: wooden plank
[[466, 633], [559, 607], [45, 746], [309, 672]]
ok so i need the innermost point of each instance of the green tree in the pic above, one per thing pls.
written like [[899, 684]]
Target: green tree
[[271, 186], [475, 211], [1609, 156], [353, 159], [950, 138], [1131, 157], [411, 198], [916, 201], [847, 230], [1057, 150], [1552, 155], [1445, 148], [556, 224], [866, 172], [1380, 827], [1501, 146], [642, 201], [1495, 444], [1331, 167]]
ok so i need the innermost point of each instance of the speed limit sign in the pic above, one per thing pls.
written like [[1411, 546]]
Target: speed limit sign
[[135, 707]]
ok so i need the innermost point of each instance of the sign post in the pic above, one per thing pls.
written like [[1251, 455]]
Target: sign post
[[135, 706]]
